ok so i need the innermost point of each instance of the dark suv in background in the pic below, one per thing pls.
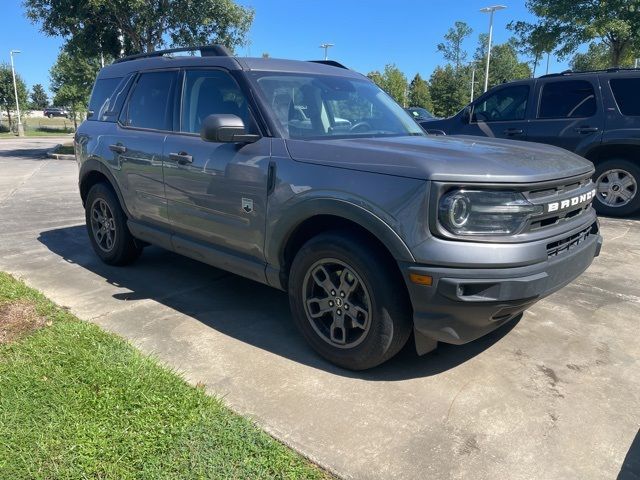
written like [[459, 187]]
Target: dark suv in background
[[51, 112], [594, 114]]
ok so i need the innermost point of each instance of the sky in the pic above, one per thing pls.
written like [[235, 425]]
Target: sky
[[367, 34]]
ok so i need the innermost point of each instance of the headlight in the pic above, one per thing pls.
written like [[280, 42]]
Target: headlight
[[482, 212]]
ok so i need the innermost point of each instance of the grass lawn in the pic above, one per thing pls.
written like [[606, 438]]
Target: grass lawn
[[77, 402], [41, 127], [65, 149]]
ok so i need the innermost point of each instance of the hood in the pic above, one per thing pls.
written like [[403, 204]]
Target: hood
[[457, 159]]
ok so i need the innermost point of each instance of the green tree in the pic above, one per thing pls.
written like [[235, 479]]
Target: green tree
[[110, 27], [449, 91], [615, 23], [504, 64], [7, 92], [597, 57], [392, 81], [419, 94], [451, 48], [72, 78], [39, 98], [533, 43]]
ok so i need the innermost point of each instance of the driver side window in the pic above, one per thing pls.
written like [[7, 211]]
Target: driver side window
[[507, 104]]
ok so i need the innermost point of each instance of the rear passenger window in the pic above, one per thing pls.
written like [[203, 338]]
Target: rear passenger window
[[572, 99], [150, 104], [208, 92], [102, 90], [627, 94]]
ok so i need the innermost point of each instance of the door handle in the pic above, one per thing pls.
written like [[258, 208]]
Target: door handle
[[118, 148], [587, 129], [513, 131], [182, 158]]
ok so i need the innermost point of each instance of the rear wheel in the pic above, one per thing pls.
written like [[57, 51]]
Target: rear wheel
[[617, 187], [107, 227], [348, 301]]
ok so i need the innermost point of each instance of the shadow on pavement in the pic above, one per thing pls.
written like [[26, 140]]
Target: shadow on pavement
[[30, 153], [243, 309], [631, 466]]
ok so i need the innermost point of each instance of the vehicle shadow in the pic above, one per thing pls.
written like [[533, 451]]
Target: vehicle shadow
[[630, 469], [240, 308]]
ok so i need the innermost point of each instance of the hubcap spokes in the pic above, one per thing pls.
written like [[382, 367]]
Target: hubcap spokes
[[337, 303], [616, 188], [103, 225]]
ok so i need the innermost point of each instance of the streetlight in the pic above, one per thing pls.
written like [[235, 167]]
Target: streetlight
[[490, 10], [326, 47], [15, 90]]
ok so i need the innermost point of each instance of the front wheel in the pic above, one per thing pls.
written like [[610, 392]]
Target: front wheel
[[348, 301], [617, 188]]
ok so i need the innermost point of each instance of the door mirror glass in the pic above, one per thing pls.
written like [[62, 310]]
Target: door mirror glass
[[225, 128]]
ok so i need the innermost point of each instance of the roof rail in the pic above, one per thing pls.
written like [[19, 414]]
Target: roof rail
[[205, 51], [580, 72], [331, 63]]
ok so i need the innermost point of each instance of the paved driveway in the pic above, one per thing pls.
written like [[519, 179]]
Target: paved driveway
[[556, 395]]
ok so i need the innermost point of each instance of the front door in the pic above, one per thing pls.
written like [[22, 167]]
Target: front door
[[216, 192], [569, 113], [500, 113]]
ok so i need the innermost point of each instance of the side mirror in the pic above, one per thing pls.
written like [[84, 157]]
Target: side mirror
[[466, 113], [225, 128]]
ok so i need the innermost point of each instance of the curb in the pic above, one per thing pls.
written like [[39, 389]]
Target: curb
[[59, 156]]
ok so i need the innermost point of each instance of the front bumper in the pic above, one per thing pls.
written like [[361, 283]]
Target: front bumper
[[462, 305]]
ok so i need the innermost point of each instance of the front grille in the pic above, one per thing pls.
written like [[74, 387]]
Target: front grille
[[565, 245], [556, 193]]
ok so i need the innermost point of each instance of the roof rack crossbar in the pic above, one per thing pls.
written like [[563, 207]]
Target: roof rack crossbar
[[205, 51]]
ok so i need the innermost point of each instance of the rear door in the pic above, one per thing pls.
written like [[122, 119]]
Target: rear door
[[216, 192], [138, 144], [569, 113], [500, 113]]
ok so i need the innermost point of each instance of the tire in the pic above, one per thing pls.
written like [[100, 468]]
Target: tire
[[50, 115], [371, 282], [617, 182], [106, 220]]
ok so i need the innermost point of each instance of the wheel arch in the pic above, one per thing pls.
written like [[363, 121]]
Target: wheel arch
[[313, 217], [92, 172], [609, 151]]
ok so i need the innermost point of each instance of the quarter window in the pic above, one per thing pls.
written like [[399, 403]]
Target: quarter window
[[507, 104], [102, 91], [208, 92], [570, 99], [627, 94], [150, 104]]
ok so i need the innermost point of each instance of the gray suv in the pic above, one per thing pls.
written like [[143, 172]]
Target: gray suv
[[307, 177]]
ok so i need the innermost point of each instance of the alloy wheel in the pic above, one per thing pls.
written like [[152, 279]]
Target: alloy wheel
[[103, 225]]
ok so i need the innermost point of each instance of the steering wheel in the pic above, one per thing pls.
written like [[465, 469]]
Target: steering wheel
[[360, 127]]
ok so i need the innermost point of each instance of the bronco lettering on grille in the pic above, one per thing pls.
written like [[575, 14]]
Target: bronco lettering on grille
[[571, 202]]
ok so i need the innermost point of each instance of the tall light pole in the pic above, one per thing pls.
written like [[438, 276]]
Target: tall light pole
[[326, 47], [15, 90], [490, 10]]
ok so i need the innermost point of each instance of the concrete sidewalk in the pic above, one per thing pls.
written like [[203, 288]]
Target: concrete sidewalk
[[556, 395]]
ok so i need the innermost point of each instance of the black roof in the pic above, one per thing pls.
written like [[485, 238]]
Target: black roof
[[218, 56]]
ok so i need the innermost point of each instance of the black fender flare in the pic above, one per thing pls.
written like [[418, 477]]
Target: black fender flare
[[278, 234], [94, 165]]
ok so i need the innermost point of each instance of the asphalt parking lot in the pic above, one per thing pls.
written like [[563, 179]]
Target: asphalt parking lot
[[555, 395]]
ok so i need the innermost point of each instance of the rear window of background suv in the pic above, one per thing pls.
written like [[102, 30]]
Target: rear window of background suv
[[626, 92]]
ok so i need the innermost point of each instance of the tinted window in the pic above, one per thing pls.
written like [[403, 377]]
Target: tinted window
[[506, 104], [573, 99], [102, 90], [627, 94], [208, 92], [150, 104]]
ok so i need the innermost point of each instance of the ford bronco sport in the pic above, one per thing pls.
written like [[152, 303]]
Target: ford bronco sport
[[307, 177], [594, 114]]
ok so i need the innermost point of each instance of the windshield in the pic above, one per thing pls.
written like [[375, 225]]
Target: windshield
[[321, 106]]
